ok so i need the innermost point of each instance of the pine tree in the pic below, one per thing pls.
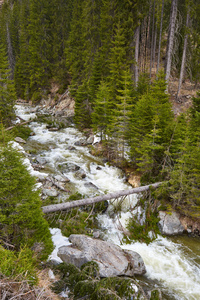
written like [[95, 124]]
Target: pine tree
[[151, 128], [101, 117], [21, 218], [82, 107], [7, 90], [122, 113], [22, 67]]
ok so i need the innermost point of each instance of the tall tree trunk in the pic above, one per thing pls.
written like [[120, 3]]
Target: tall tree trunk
[[160, 36], [10, 52], [137, 39], [152, 40], [154, 46], [183, 58], [147, 44], [143, 43], [171, 40]]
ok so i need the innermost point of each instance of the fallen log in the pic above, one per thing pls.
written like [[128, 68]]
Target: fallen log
[[18, 124], [89, 201]]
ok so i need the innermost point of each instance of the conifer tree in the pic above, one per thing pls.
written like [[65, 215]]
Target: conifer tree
[[82, 107], [151, 128], [117, 61], [101, 113], [122, 113], [40, 46], [21, 218], [7, 90], [74, 47], [22, 67]]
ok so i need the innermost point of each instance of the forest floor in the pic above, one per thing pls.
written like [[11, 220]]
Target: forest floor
[[188, 91]]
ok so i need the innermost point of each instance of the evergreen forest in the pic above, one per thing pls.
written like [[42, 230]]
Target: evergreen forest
[[127, 64]]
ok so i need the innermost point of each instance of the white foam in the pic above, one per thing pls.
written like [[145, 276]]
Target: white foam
[[58, 241]]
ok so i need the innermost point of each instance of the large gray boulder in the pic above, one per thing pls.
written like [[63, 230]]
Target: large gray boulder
[[112, 260], [170, 223]]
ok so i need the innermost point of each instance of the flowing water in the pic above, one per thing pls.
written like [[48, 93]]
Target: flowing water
[[172, 263]]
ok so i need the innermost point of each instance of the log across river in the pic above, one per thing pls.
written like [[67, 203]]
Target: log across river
[[171, 263], [92, 200]]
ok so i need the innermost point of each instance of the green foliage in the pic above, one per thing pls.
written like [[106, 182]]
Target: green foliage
[[7, 90], [182, 189], [77, 222], [101, 115], [82, 107], [151, 128], [140, 232], [86, 283], [18, 266], [21, 131], [21, 218]]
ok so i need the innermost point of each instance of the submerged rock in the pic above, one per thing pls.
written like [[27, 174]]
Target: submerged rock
[[41, 160], [68, 167], [111, 259], [81, 142], [61, 178], [90, 185], [80, 174]]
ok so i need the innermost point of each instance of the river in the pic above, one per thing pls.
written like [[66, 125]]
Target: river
[[172, 263]]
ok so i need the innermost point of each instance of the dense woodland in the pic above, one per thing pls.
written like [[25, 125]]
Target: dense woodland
[[118, 59]]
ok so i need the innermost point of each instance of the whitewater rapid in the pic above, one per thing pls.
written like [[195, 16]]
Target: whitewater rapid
[[166, 261]]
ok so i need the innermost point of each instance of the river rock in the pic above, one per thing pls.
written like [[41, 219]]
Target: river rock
[[50, 192], [71, 148], [20, 140], [90, 140], [68, 167], [81, 142], [41, 160], [111, 259], [80, 174], [37, 167], [170, 223], [90, 185], [61, 178]]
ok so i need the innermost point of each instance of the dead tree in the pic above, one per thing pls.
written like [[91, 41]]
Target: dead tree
[[89, 201], [160, 37], [183, 58], [137, 39], [171, 40]]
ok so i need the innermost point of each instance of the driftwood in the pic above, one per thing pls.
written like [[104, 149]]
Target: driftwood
[[89, 201], [57, 185], [18, 124], [62, 95]]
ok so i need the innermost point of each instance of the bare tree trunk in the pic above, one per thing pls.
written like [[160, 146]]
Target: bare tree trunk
[[171, 40], [152, 40], [154, 46], [10, 52], [147, 44], [183, 58], [160, 36], [137, 39], [89, 201], [142, 45]]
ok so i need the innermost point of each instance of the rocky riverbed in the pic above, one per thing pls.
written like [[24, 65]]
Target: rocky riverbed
[[64, 165]]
